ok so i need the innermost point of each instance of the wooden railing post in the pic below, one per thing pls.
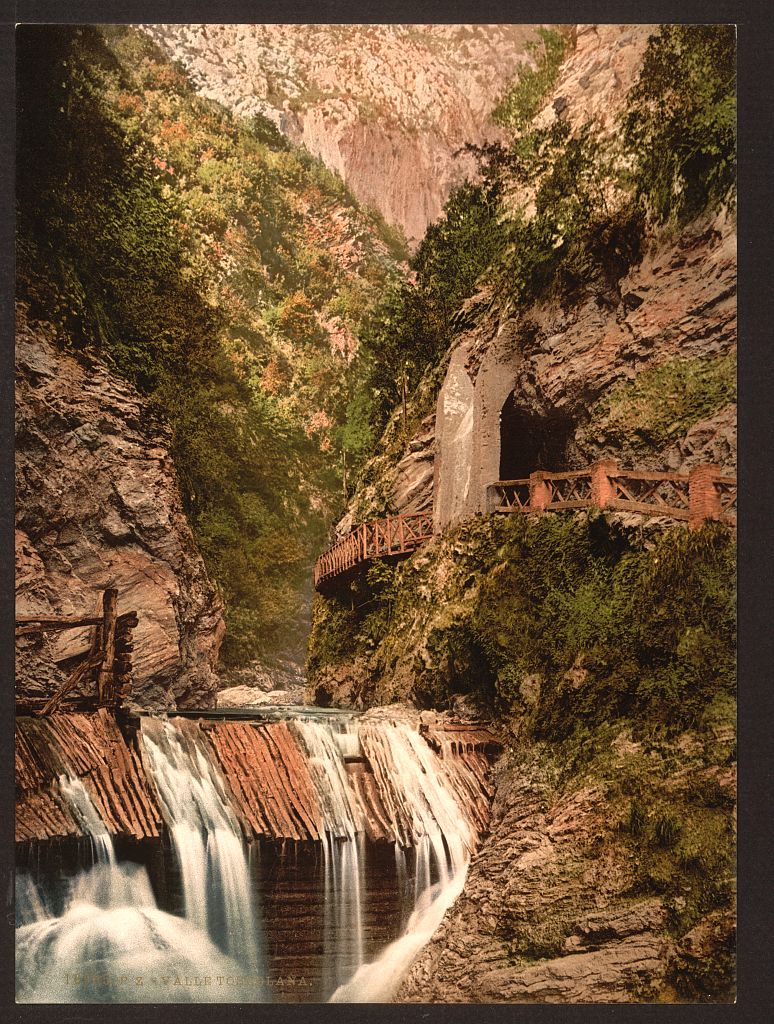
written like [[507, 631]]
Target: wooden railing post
[[602, 489], [122, 667], [703, 496], [105, 681], [539, 492]]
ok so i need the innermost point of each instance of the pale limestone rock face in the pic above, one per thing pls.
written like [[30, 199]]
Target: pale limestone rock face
[[253, 696], [385, 106], [412, 481], [98, 505], [711, 440], [604, 65]]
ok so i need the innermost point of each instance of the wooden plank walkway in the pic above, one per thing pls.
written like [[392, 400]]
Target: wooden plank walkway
[[380, 538], [705, 493]]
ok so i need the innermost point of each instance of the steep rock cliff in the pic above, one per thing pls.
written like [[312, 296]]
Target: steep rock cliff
[[573, 370], [97, 505], [386, 106], [565, 903], [575, 377], [565, 368]]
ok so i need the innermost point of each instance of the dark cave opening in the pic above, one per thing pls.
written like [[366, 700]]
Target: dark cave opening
[[531, 440]]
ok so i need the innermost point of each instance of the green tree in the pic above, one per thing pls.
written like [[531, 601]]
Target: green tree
[[523, 99]]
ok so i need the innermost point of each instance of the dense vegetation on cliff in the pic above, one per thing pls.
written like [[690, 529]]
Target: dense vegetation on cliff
[[575, 610], [224, 273]]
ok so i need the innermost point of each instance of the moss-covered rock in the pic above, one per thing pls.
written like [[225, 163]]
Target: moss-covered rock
[[559, 622], [662, 402]]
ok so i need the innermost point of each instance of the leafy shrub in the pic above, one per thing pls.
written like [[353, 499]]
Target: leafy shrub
[[523, 99], [334, 633], [638, 819], [412, 326], [613, 630], [559, 231], [680, 125], [666, 830]]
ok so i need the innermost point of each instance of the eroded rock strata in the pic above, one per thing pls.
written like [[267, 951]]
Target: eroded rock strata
[[557, 907], [98, 505]]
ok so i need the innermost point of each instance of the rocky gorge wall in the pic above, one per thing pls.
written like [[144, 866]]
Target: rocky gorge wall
[[386, 106], [567, 901], [573, 375], [678, 304], [98, 505], [571, 370]]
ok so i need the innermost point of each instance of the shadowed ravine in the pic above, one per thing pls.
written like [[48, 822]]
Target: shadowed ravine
[[224, 909]]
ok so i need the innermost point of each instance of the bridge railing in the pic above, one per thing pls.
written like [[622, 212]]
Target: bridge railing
[[701, 494], [694, 497], [395, 535]]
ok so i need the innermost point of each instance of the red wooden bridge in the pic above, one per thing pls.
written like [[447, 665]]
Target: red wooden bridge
[[704, 493], [381, 538]]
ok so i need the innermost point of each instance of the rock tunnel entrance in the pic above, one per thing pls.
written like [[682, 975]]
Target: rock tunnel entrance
[[532, 440]]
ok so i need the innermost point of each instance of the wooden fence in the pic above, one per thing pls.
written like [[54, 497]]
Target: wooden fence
[[380, 538], [702, 494], [106, 669]]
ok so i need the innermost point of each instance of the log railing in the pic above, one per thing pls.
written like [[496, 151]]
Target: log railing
[[380, 538], [107, 665], [702, 494]]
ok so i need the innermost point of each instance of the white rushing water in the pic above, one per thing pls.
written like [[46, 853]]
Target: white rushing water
[[112, 943], [326, 748], [75, 793], [444, 840], [215, 872]]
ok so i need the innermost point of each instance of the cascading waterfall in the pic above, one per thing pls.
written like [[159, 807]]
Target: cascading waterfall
[[444, 840], [218, 894], [74, 791], [111, 943], [110, 935], [342, 846]]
